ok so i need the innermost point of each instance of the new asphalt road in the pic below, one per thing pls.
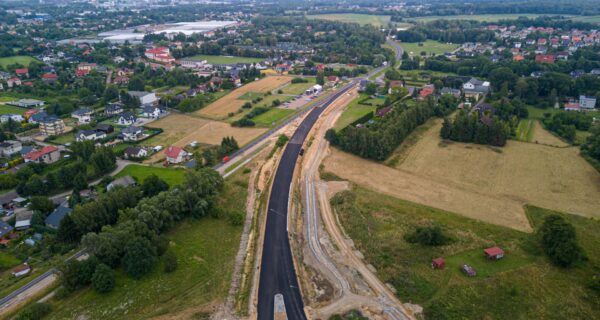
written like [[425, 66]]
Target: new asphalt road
[[277, 274]]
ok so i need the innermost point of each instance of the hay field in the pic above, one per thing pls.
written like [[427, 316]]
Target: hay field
[[231, 102], [542, 136], [180, 130], [478, 181]]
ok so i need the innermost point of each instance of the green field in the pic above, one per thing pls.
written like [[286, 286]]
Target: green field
[[477, 17], [362, 19], [22, 60], [272, 116], [523, 285], [172, 176], [226, 59], [353, 112], [298, 88], [205, 250], [68, 137], [4, 109], [251, 95], [7, 260], [525, 130], [588, 19], [429, 46]]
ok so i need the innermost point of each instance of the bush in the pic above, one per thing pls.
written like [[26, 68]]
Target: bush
[[34, 312], [559, 241], [299, 80], [103, 279], [427, 236], [170, 261]]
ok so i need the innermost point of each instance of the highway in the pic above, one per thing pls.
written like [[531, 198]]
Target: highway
[[277, 273]]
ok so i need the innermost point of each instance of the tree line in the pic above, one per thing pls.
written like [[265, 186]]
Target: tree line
[[470, 128]]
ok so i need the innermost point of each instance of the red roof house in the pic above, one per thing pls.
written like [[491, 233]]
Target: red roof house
[[31, 112], [438, 263], [494, 253], [425, 92], [47, 154], [175, 154], [545, 58], [49, 77], [22, 72]]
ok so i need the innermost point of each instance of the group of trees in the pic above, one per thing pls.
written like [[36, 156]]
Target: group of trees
[[592, 145], [212, 156], [428, 236], [471, 128], [376, 141], [559, 241], [455, 31], [566, 124]]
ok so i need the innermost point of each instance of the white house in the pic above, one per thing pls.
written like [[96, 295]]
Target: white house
[[152, 112], [146, 98], [10, 147], [89, 135], [113, 109], [587, 103], [14, 117], [83, 115], [126, 119], [135, 152], [132, 133]]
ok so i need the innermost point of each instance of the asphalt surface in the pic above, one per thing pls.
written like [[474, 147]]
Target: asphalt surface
[[277, 274]]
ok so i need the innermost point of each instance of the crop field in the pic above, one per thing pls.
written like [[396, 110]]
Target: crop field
[[22, 60], [4, 109], [226, 59], [180, 130], [172, 176], [478, 17], [363, 19], [428, 46], [522, 285], [233, 101], [480, 182], [353, 112], [205, 250]]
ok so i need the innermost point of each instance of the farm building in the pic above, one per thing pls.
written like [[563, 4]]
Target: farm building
[[493, 253], [438, 263]]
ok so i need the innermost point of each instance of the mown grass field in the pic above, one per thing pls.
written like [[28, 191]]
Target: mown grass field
[[205, 250], [272, 116], [354, 111], [226, 59], [4, 109], [428, 46], [172, 176], [363, 19], [478, 17], [523, 285], [22, 60], [299, 88]]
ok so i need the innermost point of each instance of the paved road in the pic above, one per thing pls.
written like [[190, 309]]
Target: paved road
[[277, 274]]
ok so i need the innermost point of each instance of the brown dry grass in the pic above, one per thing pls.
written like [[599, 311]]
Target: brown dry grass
[[479, 182], [542, 136], [231, 103]]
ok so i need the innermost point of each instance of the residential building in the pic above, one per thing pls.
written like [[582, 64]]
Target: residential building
[[23, 220], [135, 153], [14, 117], [587, 103], [545, 58], [54, 219], [47, 154], [132, 133], [146, 98], [152, 112], [83, 115], [5, 229], [52, 126], [10, 147], [113, 109], [22, 72], [89, 135], [106, 128], [125, 181], [49, 77], [126, 119], [175, 155]]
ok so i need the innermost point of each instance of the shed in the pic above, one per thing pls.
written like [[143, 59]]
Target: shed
[[438, 263], [494, 253]]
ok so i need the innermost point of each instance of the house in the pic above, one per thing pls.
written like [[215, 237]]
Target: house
[[38, 117], [493, 253], [53, 220], [154, 52], [545, 58], [14, 117], [332, 80], [438, 263], [518, 57], [48, 154], [451, 91], [152, 112], [146, 98], [83, 115], [21, 270], [89, 135], [121, 80], [395, 85], [135, 153], [587, 103], [49, 77], [126, 119], [468, 270], [31, 112], [125, 181], [5, 228], [106, 128], [22, 72], [425, 91], [175, 155], [10, 147], [13, 82], [577, 73], [113, 109], [132, 133], [23, 220], [314, 89], [52, 126]]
